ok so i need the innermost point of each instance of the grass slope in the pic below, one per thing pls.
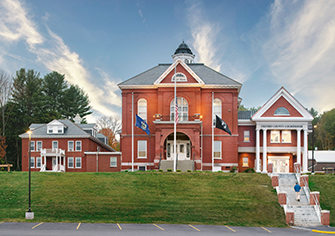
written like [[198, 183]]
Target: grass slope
[[325, 184], [143, 197]]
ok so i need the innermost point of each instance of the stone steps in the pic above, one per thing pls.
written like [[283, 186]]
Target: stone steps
[[183, 165]]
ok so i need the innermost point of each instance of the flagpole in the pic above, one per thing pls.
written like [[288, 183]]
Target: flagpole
[[212, 132], [175, 124], [132, 132]]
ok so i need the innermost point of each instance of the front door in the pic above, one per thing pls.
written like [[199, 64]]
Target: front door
[[183, 150], [280, 164]]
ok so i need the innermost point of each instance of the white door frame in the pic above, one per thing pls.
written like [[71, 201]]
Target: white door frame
[[181, 145], [278, 163]]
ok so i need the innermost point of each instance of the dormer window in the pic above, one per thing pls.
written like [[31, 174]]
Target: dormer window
[[179, 77], [282, 111], [55, 129]]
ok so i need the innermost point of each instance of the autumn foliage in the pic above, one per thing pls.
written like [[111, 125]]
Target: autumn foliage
[[112, 141]]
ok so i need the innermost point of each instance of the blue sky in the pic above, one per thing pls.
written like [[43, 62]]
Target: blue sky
[[97, 44]]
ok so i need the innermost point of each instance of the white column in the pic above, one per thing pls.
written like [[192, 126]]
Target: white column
[[299, 146], [257, 151], [264, 153], [57, 162], [305, 160], [45, 162]]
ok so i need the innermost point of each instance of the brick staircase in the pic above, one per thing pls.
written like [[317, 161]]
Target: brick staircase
[[304, 213]]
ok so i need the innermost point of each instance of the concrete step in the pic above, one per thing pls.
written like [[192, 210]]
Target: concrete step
[[183, 165]]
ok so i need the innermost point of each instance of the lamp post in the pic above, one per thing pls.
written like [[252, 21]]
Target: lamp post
[[29, 213], [314, 127]]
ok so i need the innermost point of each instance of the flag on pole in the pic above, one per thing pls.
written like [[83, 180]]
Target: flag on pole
[[176, 111], [140, 123], [220, 124]]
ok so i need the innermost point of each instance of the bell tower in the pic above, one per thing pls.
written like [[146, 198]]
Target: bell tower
[[183, 53]]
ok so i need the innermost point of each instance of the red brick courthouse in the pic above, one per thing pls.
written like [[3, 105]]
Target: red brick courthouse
[[277, 133]]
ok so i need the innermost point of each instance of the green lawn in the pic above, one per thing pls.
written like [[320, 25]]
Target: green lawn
[[143, 197], [325, 184]]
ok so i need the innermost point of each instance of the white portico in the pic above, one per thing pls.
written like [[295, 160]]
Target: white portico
[[281, 133]]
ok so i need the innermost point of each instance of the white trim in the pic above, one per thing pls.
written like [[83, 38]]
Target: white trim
[[137, 163], [68, 149], [214, 86], [32, 147], [68, 162], [282, 92], [110, 162], [52, 144], [220, 164], [173, 66], [37, 145], [220, 149], [146, 149], [146, 109], [75, 147], [109, 153], [40, 162], [75, 163]]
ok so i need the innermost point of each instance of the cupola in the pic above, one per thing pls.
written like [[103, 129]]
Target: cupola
[[183, 53]]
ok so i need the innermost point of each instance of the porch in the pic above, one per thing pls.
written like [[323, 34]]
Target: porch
[[53, 160]]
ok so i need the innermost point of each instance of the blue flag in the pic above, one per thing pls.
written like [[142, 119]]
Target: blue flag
[[140, 123]]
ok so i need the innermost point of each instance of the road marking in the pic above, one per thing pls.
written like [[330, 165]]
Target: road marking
[[230, 228], [158, 227], [323, 232], [78, 225], [119, 226], [37, 225], [194, 227], [266, 229]]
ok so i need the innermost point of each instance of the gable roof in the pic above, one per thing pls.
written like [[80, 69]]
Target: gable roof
[[284, 95], [209, 77], [72, 130]]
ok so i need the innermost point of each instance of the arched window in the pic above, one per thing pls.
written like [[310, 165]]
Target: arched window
[[217, 108], [182, 109], [179, 77], [282, 111], [142, 109]]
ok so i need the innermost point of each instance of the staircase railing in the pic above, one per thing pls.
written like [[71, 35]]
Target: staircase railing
[[43, 168]]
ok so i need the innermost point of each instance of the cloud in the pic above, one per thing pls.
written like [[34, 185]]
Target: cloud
[[204, 34], [300, 49], [55, 55], [140, 12], [15, 25]]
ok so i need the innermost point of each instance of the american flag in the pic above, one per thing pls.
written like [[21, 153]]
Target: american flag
[[176, 112]]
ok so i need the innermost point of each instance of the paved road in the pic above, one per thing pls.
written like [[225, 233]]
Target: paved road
[[78, 229]]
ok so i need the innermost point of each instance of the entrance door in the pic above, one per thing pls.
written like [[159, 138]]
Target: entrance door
[[281, 164], [183, 150]]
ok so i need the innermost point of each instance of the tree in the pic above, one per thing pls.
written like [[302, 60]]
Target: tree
[[54, 89], [243, 108], [110, 126], [5, 93], [325, 131], [76, 102]]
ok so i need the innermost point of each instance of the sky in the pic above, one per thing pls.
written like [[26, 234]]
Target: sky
[[262, 44]]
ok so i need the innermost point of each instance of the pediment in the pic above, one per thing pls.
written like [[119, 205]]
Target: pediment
[[282, 106], [185, 75]]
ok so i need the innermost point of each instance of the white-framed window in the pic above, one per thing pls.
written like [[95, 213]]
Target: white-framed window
[[168, 150], [54, 145], [142, 148], [78, 145], [113, 162], [32, 162], [182, 109], [275, 136], [246, 136], [142, 109], [179, 77], [282, 111], [32, 146], [78, 162], [38, 162], [217, 149], [245, 162], [142, 168], [38, 145], [70, 162], [53, 129], [217, 108], [70, 146], [286, 136]]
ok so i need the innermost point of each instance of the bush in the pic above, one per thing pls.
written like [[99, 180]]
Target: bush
[[249, 170], [220, 171], [126, 171], [233, 169], [160, 170], [189, 171], [178, 170], [169, 170]]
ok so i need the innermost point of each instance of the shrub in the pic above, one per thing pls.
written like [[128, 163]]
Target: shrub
[[178, 170], [189, 171], [233, 169], [126, 171], [169, 170], [220, 171], [249, 170], [160, 170]]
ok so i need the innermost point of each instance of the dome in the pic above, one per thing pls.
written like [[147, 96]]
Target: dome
[[183, 48]]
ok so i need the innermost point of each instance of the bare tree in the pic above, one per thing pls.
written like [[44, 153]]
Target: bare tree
[[6, 86], [111, 122]]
